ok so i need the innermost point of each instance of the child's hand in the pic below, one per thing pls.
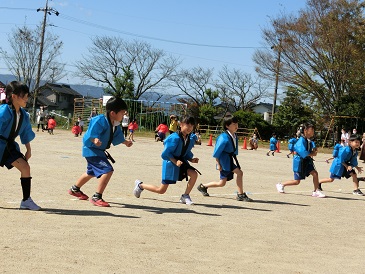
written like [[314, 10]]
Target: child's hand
[[194, 160], [27, 155], [128, 143], [349, 168], [179, 163], [97, 142], [359, 169], [219, 167]]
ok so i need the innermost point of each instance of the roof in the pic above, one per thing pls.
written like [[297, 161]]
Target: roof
[[62, 89], [41, 100]]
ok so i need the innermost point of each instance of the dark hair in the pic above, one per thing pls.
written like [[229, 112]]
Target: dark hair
[[17, 88], [304, 126], [229, 119], [354, 137], [115, 104], [188, 120]]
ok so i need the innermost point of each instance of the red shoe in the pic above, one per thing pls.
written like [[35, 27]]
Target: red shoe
[[99, 202], [79, 194]]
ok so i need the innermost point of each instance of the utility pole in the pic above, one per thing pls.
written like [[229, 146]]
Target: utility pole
[[277, 70], [49, 11]]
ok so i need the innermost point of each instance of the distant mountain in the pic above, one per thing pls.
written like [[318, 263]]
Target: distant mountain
[[98, 92]]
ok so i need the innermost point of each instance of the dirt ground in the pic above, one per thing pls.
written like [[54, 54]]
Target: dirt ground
[[277, 233]]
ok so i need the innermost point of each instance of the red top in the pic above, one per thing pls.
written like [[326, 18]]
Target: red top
[[133, 126], [76, 130], [51, 123], [162, 128]]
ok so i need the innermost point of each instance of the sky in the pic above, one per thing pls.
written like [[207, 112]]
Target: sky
[[205, 33]]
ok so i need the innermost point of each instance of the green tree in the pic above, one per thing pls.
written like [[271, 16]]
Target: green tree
[[124, 85], [291, 113], [321, 50], [251, 120]]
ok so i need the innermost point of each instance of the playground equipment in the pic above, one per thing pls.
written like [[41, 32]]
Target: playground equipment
[[149, 114]]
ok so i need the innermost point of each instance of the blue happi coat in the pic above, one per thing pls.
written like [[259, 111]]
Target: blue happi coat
[[291, 143], [173, 146], [336, 150], [273, 142], [345, 155], [100, 128], [303, 147], [7, 117], [223, 150]]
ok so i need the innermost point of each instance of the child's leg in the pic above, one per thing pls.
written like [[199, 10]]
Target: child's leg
[[291, 183], [161, 189], [22, 166], [355, 181], [103, 182], [25, 178], [193, 176], [239, 180], [326, 180], [314, 173], [84, 178], [221, 183]]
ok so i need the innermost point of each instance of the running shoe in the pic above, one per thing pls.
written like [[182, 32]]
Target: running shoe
[[185, 199], [29, 204], [79, 194]]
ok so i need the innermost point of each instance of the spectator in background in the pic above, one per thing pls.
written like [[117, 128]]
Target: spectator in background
[[93, 113], [81, 124], [76, 130], [254, 142], [161, 131], [51, 124], [132, 127], [125, 123], [41, 116], [174, 123], [362, 153]]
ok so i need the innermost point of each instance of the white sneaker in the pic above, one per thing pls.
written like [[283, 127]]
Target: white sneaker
[[318, 194], [185, 199], [29, 204], [280, 188], [137, 190]]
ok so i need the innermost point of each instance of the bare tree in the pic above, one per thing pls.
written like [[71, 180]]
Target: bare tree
[[321, 50], [109, 57], [196, 83], [22, 60], [240, 89]]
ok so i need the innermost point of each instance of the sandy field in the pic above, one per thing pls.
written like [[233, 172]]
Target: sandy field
[[277, 233]]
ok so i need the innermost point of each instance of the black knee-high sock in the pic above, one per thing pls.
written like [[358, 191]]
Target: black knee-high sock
[[26, 182]]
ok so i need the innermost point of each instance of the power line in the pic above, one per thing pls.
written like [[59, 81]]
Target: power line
[[90, 24]]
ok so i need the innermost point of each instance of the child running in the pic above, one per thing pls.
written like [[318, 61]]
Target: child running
[[345, 164], [273, 142], [103, 131], [176, 156], [291, 144], [14, 121], [225, 152], [336, 150], [303, 165]]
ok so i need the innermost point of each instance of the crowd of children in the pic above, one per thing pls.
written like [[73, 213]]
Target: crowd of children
[[105, 129]]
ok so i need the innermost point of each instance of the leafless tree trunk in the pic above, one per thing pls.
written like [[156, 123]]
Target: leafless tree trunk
[[22, 61], [239, 89], [109, 55], [194, 83]]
